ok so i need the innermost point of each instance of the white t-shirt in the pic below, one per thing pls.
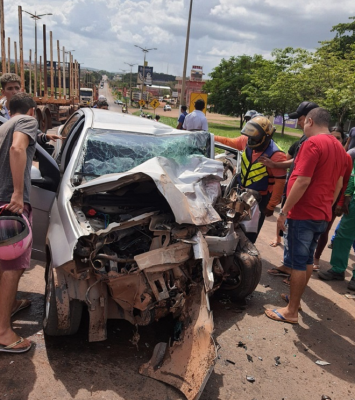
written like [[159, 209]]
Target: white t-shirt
[[195, 121]]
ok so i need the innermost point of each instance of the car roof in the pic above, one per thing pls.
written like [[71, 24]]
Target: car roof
[[105, 119]]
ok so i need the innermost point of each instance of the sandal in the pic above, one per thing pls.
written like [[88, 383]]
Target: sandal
[[275, 244], [11, 348], [286, 298], [277, 272], [287, 281], [316, 267]]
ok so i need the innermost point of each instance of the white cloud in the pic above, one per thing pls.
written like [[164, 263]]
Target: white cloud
[[104, 32]]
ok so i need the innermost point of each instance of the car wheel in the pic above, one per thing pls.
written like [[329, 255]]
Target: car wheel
[[245, 271], [50, 321]]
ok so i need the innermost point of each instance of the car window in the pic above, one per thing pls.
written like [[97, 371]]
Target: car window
[[66, 132], [70, 123], [71, 143], [108, 151]]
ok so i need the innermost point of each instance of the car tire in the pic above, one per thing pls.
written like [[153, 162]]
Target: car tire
[[50, 315], [246, 273]]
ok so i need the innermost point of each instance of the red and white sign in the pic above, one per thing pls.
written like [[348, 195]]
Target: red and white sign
[[197, 67]]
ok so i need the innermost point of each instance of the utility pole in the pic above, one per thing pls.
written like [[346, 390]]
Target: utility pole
[[36, 17], [145, 51], [3, 52], [130, 84], [8, 55], [64, 78], [22, 71], [182, 98]]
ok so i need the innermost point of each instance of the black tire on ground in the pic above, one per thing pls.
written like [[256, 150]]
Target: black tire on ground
[[246, 274], [50, 322]]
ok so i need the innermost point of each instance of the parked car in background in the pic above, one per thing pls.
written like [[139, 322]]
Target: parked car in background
[[119, 102], [167, 107]]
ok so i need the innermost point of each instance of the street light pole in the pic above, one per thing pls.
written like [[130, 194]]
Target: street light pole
[[130, 84], [36, 17], [145, 51], [69, 71], [182, 97]]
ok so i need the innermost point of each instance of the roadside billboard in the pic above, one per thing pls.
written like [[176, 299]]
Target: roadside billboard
[[148, 75], [290, 123], [196, 73]]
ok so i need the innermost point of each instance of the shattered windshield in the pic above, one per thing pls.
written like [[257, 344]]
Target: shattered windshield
[[109, 151]]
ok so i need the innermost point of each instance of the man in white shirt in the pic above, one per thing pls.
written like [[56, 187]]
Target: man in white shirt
[[196, 121]]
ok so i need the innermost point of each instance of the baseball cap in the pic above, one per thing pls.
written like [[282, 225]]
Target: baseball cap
[[303, 109]]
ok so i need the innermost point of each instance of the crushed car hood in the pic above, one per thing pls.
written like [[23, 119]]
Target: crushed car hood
[[191, 188]]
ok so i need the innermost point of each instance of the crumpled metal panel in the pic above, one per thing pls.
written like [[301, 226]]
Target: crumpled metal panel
[[191, 189], [201, 252], [188, 363], [175, 254], [128, 290], [220, 246]]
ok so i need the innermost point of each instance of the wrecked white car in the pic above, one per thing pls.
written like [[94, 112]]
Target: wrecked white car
[[140, 227]]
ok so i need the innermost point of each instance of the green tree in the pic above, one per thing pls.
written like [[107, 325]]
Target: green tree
[[344, 38], [331, 79], [276, 86], [225, 86]]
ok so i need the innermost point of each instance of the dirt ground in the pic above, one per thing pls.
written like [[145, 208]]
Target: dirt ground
[[71, 368]]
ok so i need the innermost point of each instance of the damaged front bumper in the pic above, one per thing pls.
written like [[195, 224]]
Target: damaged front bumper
[[154, 244]]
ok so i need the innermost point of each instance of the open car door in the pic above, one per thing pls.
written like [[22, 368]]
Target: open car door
[[44, 184]]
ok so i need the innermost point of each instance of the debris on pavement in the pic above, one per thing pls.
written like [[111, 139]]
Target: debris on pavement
[[322, 363], [250, 379], [241, 344], [135, 339], [250, 358], [325, 397], [260, 358], [230, 362], [277, 361]]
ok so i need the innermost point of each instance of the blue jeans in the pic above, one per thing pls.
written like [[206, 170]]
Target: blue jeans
[[301, 241]]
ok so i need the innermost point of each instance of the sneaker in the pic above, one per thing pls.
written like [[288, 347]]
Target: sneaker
[[330, 275], [351, 285], [330, 245]]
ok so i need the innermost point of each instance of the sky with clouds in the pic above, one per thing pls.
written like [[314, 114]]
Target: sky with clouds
[[103, 32]]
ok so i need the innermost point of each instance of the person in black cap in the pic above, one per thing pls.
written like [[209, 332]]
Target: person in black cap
[[300, 114]]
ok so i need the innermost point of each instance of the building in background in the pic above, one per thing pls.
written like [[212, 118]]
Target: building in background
[[193, 84]]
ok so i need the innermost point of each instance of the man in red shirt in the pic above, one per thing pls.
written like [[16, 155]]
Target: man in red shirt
[[256, 141], [312, 189]]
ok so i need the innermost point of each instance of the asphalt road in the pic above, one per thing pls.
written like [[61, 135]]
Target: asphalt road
[[107, 93], [66, 368]]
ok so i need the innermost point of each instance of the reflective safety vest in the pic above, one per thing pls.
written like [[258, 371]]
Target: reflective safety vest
[[254, 175]]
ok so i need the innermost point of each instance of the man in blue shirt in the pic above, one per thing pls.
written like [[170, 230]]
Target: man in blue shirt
[[182, 117]]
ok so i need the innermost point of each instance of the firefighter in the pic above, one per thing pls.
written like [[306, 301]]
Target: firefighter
[[256, 141]]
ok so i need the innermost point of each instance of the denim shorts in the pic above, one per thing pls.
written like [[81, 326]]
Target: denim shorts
[[301, 240]]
